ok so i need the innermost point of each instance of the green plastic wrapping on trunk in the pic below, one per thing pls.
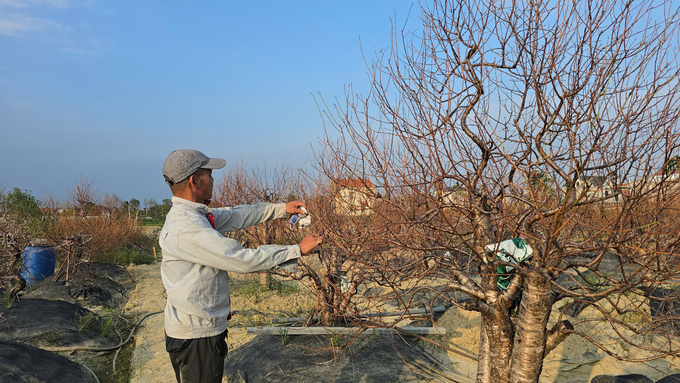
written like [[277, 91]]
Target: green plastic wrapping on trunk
[[511, 251]]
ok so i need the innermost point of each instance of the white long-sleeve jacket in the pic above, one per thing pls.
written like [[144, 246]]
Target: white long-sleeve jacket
[[196, 259]]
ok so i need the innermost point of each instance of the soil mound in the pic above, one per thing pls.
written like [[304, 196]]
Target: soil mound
[[43, 323], [665, 307], [109, 270], [267, 358], [631, 378], [675, 378], [22, 363], [91, 284]]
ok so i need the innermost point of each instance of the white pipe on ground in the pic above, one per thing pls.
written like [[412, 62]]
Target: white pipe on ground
[[438, 309]]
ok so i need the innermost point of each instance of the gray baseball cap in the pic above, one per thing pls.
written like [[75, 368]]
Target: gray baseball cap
[[182, 163]]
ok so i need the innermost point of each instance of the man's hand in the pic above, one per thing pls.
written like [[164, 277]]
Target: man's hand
[[309, 242], [292, 207]]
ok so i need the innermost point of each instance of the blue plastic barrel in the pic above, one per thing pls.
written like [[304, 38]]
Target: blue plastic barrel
[[38, 263]]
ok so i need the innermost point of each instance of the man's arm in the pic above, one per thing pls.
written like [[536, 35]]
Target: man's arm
[[244, 216], [207, 247]]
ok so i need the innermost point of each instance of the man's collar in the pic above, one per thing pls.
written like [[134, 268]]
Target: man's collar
[[190, 204]]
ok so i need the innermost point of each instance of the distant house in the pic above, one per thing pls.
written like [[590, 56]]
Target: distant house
[[599, 187], [662, 181], [663, 175], [354, 196], [452, 195]]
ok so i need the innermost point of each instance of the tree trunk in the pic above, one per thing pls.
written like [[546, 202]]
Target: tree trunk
[[529, 347], [496, 334], [500, 333], [484, 361]]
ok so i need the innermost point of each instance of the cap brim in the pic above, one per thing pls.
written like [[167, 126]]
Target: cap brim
[[214, 163]]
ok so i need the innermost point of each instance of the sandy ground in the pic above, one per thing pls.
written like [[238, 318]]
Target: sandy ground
[[150, 362], [575, 360]]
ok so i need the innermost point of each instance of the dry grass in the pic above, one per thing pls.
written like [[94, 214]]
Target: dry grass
[[102, 234]]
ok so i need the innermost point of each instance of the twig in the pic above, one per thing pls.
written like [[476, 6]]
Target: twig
[[438, 344], [91, 372], [128, 273], [117, 351]]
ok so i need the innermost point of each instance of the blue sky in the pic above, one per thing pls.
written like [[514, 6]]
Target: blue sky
[[104, 90]]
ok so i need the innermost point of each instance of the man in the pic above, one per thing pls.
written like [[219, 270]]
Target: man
[[196, 258]]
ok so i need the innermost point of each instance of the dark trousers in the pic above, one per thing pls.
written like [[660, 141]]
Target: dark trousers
[[198, 360]]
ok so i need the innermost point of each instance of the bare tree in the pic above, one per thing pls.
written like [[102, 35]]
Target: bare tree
[[149, 203], [14, 236], [243, 185], [540, 120], [335, 274], [84, 196], [111, 202]]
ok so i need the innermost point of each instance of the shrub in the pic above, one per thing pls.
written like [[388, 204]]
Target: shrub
[[104, 234], [124, 256], [21, 207], [111, 238]]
